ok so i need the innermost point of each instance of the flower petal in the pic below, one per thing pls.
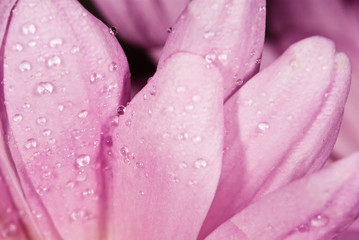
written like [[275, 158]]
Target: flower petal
[[318, 206], [142, 22], [167, 152], [64, 76], [283, 125], [228, 34]]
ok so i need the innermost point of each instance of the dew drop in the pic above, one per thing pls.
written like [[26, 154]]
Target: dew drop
[[124, 151], [303, 228], [32, 43], [79, 215], [17, 118], [319, 221], [83, 160], [44, 88], [182, 165], [75, 49], [41, 120], [263, 126], [54, 61], [196, 98], [121, 110], [46, 132], [197, 139], [141, 192], [30, 143], [28, 29], [112, 30], [56, 42], [139, 164], [95, 77], [128, 123], [83, 114], [17, 47], [169, 30], [112, 67], [210, 57], [239, 82], [200, 163], [24, 66]]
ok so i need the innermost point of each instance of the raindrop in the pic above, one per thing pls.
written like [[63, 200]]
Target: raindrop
[[112, 67], [182, 165], [17, 118], [108, 141], [141, 192], [183, 136], [32, 44], [30, 143], [113, 30], [239, 82], [26, 105], [210, 57], [263, 126], [95, 77], [124, 151], [56, 42], [319, 221], [88, 192], [303, 228], [121, 110], [139, 164], [83, 160], [78, 215], [200, 163], [75, 49], [43, 88], [17, 47], [83, 114], [46, 132], [54, 61], [24, 66], [41, 120], [258, 61], [169, 30], [28, 29]]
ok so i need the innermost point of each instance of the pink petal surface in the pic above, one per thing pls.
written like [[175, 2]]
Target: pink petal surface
[[142, 22], [316, 207], [64, 77], [291, 21], [281, 125], [167, 151], [228, 34]]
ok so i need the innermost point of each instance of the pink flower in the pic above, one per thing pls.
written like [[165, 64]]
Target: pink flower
[[190, 156]]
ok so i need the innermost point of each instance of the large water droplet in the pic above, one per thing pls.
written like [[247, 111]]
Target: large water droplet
[[30, 143], [28, 29], [24, 66], [43, 88], [319, 221], [83, 160], [200, 163], [54, 61]]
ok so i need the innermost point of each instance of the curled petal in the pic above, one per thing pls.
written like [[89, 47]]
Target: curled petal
[[228, 34], [166, 153], [319, 206], [283, 125], [64, 75]]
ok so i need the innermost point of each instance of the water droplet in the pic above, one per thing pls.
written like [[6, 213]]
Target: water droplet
[[121, 110], [196, 98], [17, 118], [79, 215], [200, 163], [153, 91], [108, 141], [28, 29], [141, 192], [17, 47], [182, 165], [75, 49], [124, 151], [95, 77], [262, 9], [8, 230], [114, 121], [83, 114], [169, 30], [303, 227], [258, 61], [183, 136], [83, 160], [54, 61], [239, 82], [208, 35], [263, 126], [112, 30], [319, 221], [56, 42], [32, 43], [181, 89], [112, 67], [128, 122], [139, 164], [30, 143], [88, 193], [43, 88], [210, 57], [41, 120], [24, 66], [46, 132]]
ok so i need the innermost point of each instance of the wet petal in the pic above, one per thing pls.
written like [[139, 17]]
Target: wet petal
[[283, 125], [228, 34], [167, 151], [64, 75], [145, 23], [318, 206]]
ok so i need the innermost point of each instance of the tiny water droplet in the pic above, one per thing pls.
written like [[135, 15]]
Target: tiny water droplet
[[210, 57], [112, 67], [56, 42], [182, 165], [54, 61], [17, 118], [108, 141], [200, 163], [28, 29], [124, 151], [181, 89], [30, 143], [43, 88], [17, 47], [141, 192], [83, 160], [263, 126], [95, 77], [303, 227], [153, 91], [41, 120], [31, 43], [239, 82], [139, 164], [83, 114], [24, 66], [121, 110], [113, 30], [169, 30], [197, 139], [319, 221], [208, 35], [196, 98], [46, 132]]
